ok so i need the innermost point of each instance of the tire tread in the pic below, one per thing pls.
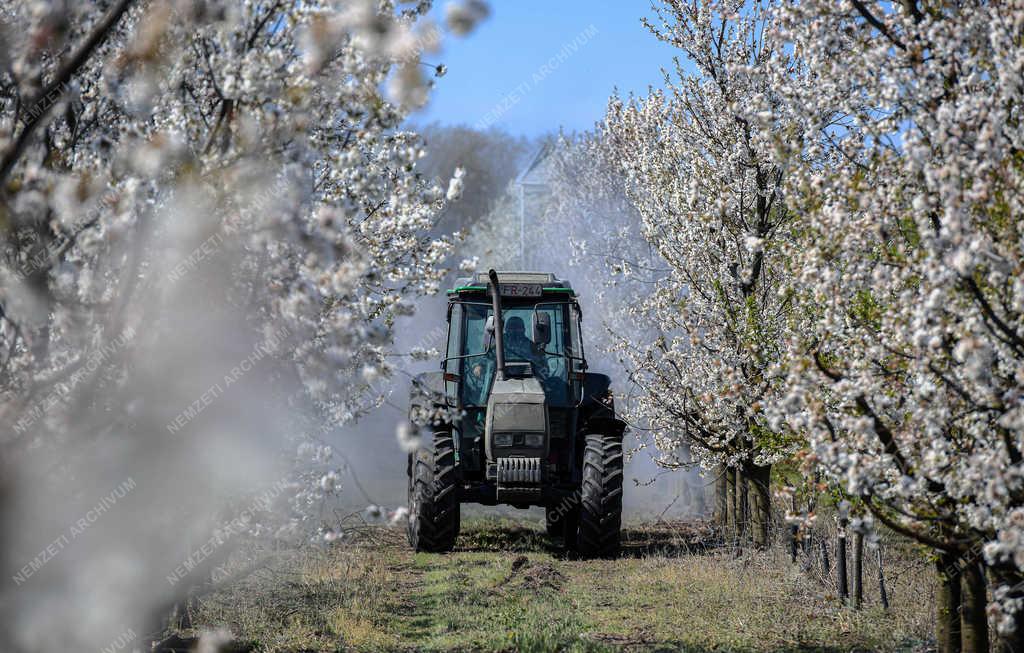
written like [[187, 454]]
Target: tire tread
[[433, 497], [600, 521]]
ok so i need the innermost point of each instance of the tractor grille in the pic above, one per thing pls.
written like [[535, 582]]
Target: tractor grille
[[519, 471], [519, 480]]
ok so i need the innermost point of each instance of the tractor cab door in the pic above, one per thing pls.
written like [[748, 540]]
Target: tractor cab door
[[552, 362], [476, 363], [450, 364], [574, 354]]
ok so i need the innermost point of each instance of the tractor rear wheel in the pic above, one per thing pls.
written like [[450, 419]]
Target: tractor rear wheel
[[433, 498], [600, 519]]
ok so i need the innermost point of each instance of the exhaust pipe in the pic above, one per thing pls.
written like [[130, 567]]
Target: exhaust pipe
[[499, 326]]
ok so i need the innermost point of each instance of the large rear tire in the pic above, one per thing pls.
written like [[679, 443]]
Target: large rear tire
[[433, 496], [600, 520]]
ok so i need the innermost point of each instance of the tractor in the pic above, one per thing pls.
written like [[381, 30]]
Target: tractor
[[514, 417]]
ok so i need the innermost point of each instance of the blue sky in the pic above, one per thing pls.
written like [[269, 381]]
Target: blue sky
[[500, 74]]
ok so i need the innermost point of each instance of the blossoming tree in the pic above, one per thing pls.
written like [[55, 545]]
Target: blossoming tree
[[197, 194], [908, 378], [702, 172]]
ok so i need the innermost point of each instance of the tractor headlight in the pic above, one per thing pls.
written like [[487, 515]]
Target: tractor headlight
[[534, 440], [503, 439]]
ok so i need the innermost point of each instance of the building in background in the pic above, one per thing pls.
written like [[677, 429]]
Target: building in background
[[532, 187]]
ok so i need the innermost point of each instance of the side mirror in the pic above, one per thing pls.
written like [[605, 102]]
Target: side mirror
[[489, 333], [541, 329]]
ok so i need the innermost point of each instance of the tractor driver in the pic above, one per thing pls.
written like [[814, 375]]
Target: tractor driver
[[518, 347]]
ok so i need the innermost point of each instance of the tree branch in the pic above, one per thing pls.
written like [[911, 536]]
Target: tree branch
[[39, 108], [935, 543], [879, 25], [884, 434], [1013, 338]]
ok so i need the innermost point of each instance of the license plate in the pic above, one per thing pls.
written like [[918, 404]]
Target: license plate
[[521, 289]]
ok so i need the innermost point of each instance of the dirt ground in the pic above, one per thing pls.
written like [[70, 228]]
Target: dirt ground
[[508, 587]]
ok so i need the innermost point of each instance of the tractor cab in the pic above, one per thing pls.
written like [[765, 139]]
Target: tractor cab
[[540, 333], [515, 374]]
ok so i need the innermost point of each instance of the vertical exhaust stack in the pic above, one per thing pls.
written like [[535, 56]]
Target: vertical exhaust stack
[[499, 326]]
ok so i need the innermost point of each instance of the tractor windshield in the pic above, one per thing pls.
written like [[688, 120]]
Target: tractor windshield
[[549, 363]]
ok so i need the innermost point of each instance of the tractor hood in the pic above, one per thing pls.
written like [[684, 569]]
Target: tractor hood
[[517, 407]]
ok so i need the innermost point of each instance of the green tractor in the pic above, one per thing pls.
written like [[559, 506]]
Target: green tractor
[[516, 418]]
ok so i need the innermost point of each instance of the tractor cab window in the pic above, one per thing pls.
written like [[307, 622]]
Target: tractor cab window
[[547, 362], [478, 363]]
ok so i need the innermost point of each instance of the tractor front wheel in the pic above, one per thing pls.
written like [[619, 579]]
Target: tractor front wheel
[[600, 517], [433, 498]]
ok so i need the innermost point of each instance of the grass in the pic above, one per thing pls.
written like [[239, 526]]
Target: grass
[[507, 587]]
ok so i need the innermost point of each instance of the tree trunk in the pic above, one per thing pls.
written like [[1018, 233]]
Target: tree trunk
[[807, 544], [760, 478], [699, 500], [686, 495], [722, 498], [974, 621], [742, 504], [947, 617], [812, 505], [794, 530], [841, 580], [882, 594], [731, 520], [858, 569], [826, 564]]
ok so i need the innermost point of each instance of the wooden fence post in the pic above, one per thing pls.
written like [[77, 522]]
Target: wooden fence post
[[858, 569], [841, 580]]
